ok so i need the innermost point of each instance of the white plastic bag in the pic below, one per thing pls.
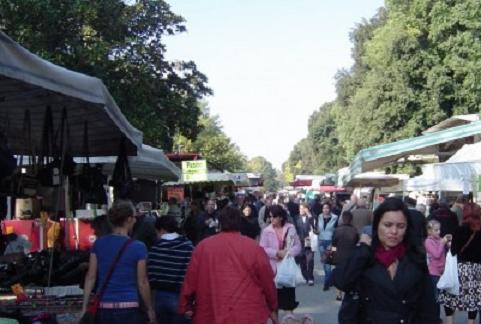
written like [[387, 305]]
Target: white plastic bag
[[288, 273], [314, 241], [449, 281]]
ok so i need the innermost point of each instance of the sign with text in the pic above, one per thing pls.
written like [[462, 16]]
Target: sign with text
[[193, 171], [175, 192]]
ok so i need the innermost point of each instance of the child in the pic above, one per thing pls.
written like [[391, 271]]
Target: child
[[436, 248]]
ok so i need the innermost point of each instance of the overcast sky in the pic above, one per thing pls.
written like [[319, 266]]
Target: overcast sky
[[271, 63]]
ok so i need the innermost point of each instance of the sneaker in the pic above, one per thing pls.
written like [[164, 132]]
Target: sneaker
[[310, 282]]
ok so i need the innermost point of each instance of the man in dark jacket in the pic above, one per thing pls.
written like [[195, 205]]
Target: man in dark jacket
[[361, 216], [316, 206], [304, 225], [418, 221]]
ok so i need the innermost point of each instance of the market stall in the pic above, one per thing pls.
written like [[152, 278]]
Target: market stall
[[50, 115]]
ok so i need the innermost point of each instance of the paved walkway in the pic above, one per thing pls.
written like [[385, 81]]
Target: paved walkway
[[322, 305]]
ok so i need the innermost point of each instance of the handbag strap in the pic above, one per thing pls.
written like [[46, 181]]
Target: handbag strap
[[112, 267], [47, 137], [86, 144], [467, 243], [284, 242]]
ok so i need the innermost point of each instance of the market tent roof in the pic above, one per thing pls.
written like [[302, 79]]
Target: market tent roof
[[448, 176], [150, 164], [375, 179], [331, 189], [214, 177], [378, 156], [469, 152], [453, 121], [29, 82], [302, 183]]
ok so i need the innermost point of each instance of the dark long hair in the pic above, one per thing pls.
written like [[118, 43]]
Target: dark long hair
[[413, 250], [278, 211]]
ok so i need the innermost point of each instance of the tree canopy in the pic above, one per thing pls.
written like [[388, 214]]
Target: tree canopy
[[416, 63], [259, 164], [213, 144], [121, 43]]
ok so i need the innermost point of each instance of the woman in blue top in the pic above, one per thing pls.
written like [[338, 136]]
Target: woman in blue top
[[120, 301], [326, 224]]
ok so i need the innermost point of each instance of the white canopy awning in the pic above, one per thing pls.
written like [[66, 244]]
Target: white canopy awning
[[467, 153], [29, 82], [458, 176], [375, 179], [214, 177], [150, 164]]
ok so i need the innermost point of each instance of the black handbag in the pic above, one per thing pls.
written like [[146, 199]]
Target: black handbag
[[7, 160], [49, 171], [91, 180], [122, 178], [66, 163], [25, 184]]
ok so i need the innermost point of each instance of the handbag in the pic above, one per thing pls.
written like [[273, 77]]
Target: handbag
[[449, 280], [122, 178], [49, 170], [25, 185], [89, 316], [329, 256], [91, 180]]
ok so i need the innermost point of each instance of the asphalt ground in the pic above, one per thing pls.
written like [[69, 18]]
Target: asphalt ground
[[322, 305]]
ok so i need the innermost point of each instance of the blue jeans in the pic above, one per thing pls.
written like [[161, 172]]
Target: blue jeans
[[166, 308], [435, 280], [118, 316], [323, 245]]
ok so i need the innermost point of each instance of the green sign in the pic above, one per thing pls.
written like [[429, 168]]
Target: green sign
[[193, 171]]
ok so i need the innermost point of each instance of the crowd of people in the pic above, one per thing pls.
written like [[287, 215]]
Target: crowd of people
[[217, 262]]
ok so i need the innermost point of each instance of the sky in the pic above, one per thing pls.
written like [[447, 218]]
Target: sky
[[270, 63]]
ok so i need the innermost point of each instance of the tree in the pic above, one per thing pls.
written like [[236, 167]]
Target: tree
[[416, 62], [213, 144], [122, 44], [259, 164]]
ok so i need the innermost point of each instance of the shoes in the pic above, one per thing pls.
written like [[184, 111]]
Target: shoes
[[325, 288], [310, 282], [339, 298]]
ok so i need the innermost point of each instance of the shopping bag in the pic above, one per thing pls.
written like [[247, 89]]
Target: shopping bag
[[297, 319], [288, 273], [314, 241], [449, 280]]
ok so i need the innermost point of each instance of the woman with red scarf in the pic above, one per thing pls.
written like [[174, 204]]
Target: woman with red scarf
[[386, 279]]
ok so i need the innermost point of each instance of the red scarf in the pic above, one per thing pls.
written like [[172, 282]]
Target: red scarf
[[388, 257]]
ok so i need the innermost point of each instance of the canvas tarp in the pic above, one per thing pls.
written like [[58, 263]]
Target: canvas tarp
[[150, 164], [375, 179], [212, 177], [29, 82], [448, 176], [381, 155]]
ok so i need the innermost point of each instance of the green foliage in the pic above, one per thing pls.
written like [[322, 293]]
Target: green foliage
[[259, 164], [416, 63], [213, 144], [122, 44]]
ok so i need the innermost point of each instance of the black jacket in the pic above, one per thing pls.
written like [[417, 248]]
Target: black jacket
[[408, 298]]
